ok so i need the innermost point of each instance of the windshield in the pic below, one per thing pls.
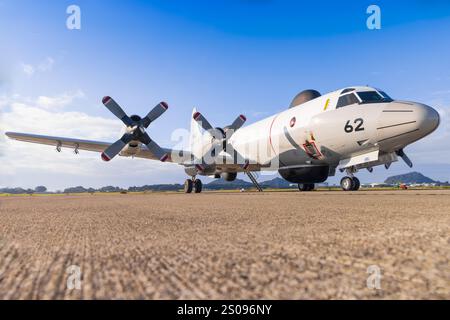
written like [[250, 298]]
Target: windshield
[[373, 97], [386, 97]]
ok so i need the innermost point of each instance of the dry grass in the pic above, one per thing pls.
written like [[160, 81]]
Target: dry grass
[[230, 246]]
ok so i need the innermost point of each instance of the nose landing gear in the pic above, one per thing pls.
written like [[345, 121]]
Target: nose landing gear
[[193, 185], [350, 184]]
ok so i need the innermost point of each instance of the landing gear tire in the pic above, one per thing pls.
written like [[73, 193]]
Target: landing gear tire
[[305, 187], [350, 184], [198, 186], [347, 184], [188, 186], [357, 184]]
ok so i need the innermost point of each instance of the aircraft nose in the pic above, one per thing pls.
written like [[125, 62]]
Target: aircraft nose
[[427, 118], [402, 123]]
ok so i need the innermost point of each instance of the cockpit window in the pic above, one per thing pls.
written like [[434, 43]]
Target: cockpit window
[[386, 97], [348, 90], [373, 97], [347, 100]]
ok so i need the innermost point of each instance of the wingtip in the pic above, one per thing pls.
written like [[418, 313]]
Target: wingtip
[[11, 135]]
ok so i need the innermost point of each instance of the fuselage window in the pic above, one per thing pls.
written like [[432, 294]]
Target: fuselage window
[[347, 100]]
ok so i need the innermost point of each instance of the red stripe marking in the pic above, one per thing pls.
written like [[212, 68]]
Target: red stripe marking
[[197, 115], [243, 118], [105, 157], [106, 100], [164, 105], [164, 158], [270, 134]]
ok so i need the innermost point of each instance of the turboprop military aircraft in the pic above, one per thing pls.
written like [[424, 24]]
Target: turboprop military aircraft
[[347, 130]]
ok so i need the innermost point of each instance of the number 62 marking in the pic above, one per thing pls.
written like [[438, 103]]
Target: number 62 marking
[[359, 126]]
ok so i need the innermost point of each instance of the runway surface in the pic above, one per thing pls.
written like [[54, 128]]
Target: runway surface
[[227, 246]]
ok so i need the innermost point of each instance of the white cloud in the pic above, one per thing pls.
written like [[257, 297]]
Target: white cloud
[[60, 101], [28, 69], [44, 66], [50, 103]]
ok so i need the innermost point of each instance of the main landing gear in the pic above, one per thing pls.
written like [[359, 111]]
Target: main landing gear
[[350, 184], [304, 187], [193, 185]]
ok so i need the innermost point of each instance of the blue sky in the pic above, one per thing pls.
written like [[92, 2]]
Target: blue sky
[[223, 57]]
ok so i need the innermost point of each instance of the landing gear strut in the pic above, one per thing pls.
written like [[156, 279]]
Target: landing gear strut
[[304, 187], [350, 184], [193, 185]]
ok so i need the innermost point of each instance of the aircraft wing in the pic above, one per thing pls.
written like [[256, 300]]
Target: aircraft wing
[[94, 146]]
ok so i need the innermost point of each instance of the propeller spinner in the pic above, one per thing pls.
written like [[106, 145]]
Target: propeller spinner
[[136, 130], [221, 135]]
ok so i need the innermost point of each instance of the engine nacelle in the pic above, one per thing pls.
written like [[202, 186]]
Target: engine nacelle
[[229, 176], [195, 170], [131, 149], [309, 174]]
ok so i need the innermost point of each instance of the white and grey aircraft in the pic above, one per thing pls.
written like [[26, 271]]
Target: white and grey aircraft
[[349, 130]]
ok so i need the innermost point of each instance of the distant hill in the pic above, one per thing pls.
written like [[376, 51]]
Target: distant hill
[[412, 177], [16, 191], [218, 184], [79, 189], [221, 184], [277, 183], [157, 187]]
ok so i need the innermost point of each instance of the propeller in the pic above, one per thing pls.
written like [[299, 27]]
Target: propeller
[[135, 130], [221, 136]]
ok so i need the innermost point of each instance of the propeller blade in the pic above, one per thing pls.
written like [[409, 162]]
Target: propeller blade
[[155, 114], [202, 121], [405, 158], [114, 107], [114, 149], [237, 124], [154, 148]]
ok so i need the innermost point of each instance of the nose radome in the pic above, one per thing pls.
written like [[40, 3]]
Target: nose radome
[[402, 123], [427, 118]]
